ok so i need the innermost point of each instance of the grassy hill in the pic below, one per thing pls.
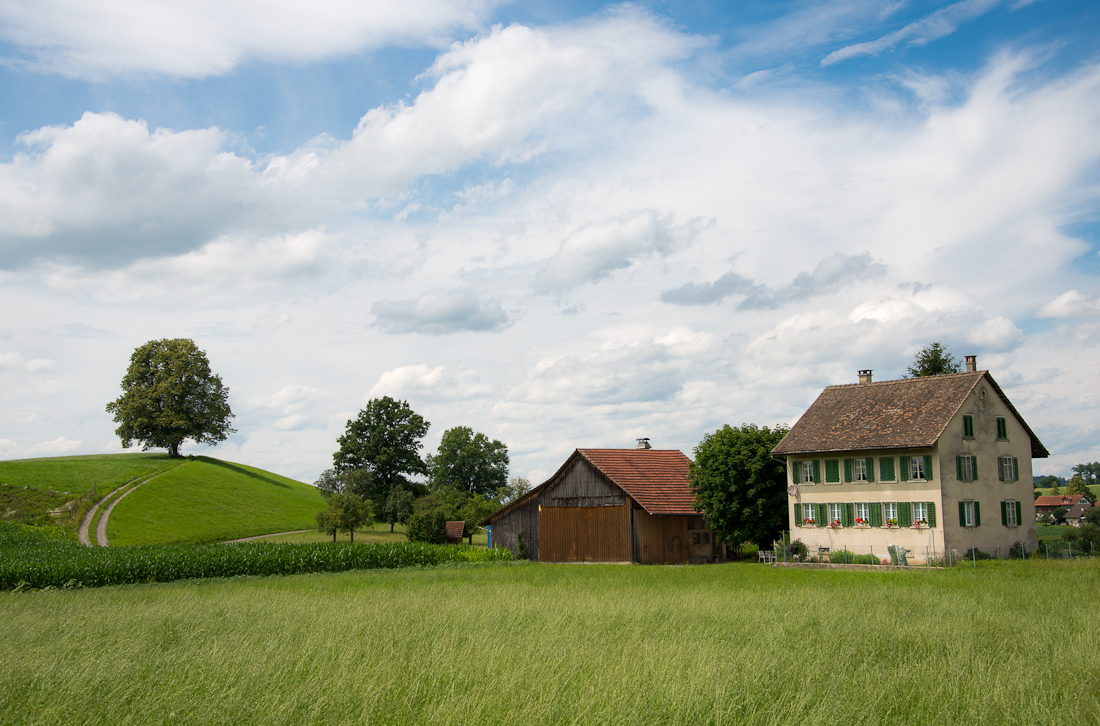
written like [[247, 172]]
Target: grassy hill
[[192, 500]]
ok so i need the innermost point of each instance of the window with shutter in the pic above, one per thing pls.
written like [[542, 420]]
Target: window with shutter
[[977, 514], [930, 510], [847, 515], [920, 514], [822, 515], [847, 470], [904, 467], [965, 466], [876, 514], [832, 471], [869, 470], [886, 469], [796, 472], [1019, 512], [905, 517], [1002, 428], [1010, 513], [863, 514], [928, 467], [890, 513], [816, 470], [968, 427]]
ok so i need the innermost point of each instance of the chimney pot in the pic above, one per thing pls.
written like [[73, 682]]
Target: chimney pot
[[643, 443], [971, 364], [865, 376]]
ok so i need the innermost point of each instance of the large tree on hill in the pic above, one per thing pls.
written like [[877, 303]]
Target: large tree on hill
[[739, 487], [384, 441], [170, 395], [933, 359], [469, 462]]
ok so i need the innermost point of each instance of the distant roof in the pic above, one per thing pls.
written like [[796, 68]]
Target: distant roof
[[657, 479], [457, 530], [910, 413], [1078, 510], [1057, 500]]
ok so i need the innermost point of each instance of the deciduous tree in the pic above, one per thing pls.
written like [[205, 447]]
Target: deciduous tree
[[469, 462], [738, 486], [1076, 485], [345, 513], [933, 359], [1089, 472], [399, 506], [170, 395], [384, 440]]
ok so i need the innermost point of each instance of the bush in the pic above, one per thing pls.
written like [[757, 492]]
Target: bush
[[31, 558], [841, 557], [427, 527]]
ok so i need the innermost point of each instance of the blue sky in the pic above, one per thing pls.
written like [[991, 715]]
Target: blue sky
[[562, 224]]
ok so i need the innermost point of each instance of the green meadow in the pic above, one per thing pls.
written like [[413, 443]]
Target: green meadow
[[209, 500], [80, 474], [1006, 643]]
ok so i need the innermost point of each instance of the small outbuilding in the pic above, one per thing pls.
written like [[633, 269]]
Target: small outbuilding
[[610, 505], [457, 531]]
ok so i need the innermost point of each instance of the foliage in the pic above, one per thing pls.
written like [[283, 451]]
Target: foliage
[[1058, 514], [455, 505], [739, 487], [345, 513], [1046, 482], [1089, 472], [521, 546], [398, 507], [427, 527], [1085, 539], [1092, 515], [469, 462], [932, 360], [516, 487], [1077, 485], [31, 556], [169, 396], [844, 557], [384, 440]]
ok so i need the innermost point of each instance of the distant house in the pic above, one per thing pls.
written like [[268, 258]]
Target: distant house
[[456, 531], [1075, 516], [610, 505], [919, 462], [1048, 503]]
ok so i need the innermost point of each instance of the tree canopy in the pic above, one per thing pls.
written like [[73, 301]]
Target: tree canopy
[[933, 359], [1090, 472], [1077, 485], [398, 507], [345, 512], [738, 486], [169, 396], [469, 462], [384, 440]]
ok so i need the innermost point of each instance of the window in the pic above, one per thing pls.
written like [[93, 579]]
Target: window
[[890, 513], [1002, 428], [1011, 513], [966, 466], [808, 514], [920, 513], [806, 472], [858, 469], [700, 538], [968, 427], [863, 514], [832, 471], [916, 467], [835, 515], [970, 514], [1006, 468], [886, 469]]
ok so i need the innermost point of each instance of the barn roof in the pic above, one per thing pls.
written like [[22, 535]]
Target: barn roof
[[657, 479], [910, 413], [457, 530]]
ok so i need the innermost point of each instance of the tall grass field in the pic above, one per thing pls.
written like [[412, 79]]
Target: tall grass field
[[1006, 643]]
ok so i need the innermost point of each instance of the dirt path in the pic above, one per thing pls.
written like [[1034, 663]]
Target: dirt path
[[101, 529], [261, 536], [86, 523]]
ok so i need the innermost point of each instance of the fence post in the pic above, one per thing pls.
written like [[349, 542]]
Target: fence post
[[974, 550]]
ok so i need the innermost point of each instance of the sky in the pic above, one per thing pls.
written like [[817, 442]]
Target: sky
[[562, 224]]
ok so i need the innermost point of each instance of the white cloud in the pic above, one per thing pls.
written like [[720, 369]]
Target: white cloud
[[440, 312], [37, 365], [1071, 304], [204, 38], [10, 360], [422, 381], [58, 447], [292, 408]]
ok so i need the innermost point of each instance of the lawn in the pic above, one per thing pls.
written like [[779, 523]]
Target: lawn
[[378, 532], [541, 644], [79, 474], [208, 500]]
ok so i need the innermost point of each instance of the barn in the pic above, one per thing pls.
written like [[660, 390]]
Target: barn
[[610, 505]]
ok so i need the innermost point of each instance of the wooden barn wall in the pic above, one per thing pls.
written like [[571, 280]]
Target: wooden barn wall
[[582, 486], [524, 517], [661, 539], [585, 534]]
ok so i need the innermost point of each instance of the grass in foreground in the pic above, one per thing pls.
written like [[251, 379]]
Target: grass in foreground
[[209, 500], [540, 644]]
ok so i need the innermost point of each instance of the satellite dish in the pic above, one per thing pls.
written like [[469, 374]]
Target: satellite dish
[[792, 490]]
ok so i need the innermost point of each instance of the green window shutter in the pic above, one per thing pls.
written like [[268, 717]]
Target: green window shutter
[[1004, 514], [870, 469], [1000, 468], [847, 470], [1015, 470], [928, 467], [977, 515], [796, 472], [876, 514], [848, 515], [1019, 513], [817, 471], [931, 507], [968, 427], [962, 514], [905, 514], [797, 515], [959, 467], [904, 461], [886, 469], [974, 465], [822, 515]]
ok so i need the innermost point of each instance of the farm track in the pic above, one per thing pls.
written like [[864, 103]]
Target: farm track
[[83, 534], [262, 536]]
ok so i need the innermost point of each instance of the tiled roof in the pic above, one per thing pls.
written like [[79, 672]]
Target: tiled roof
[[910, 413], [1057, 500], [1077, 510], [456, 530], [656, 479]]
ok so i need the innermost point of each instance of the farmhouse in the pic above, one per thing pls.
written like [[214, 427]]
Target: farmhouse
[[1048, 503], [610, 505], [919, 462]]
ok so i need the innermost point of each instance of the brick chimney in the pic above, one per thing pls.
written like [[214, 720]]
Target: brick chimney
[[971, 364], [865, 376]]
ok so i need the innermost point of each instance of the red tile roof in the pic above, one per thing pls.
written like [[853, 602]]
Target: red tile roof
[[910, 413], [1057, 500], [656, 479], [457, 530]]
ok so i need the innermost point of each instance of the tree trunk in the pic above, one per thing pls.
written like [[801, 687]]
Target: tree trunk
[[174, 451], [352, 533], [334, 536], [391, 527]]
